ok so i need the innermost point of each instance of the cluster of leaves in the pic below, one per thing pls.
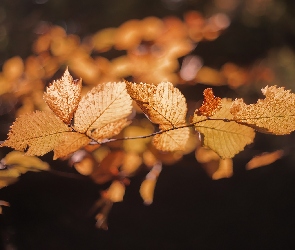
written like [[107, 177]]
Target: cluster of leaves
[[76, 121]]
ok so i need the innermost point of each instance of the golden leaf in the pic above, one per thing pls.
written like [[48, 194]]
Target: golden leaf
[[38, 133], [275, 114], [162, 103], [172, 140], [63, 96], [109, 130], [105, 104], [210, 104], [225, 137], [69, 143]]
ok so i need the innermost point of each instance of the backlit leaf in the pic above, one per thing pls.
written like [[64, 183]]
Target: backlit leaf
[[105, 104], [162, 103], [69, 143], [37, 133], [225, 137], [63, 96], [172, 140], [275, 114], [109, 130]]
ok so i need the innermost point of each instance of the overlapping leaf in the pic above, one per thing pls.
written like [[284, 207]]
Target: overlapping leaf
[[275, 114], [69, 143], [63, 96], [164, 105], [105, 104], [172, 140], [222, 135]]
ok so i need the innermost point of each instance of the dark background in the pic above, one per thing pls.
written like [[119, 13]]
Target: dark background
[[252, 210]]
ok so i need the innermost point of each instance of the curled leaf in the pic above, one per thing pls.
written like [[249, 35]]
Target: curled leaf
[[275, 114], [17, 163]]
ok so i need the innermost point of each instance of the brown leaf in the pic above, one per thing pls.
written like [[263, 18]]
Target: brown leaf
[[275, 114], [63, 96], [225, 137], [105, 104], [210, 104]]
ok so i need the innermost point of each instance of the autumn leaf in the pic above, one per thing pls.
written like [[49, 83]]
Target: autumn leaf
[[210, 104], [109, 130], [221, 134], [172, 140], [103, 108], [164, 105], [63, 96], [69, 143], [37, 133], [275, 114]]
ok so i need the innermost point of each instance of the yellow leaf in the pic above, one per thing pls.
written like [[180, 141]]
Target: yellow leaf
[[172, 140], [105, 104], [19, 164], [63, 96], [275, 114], [225, 137], [69, 143], [162, 103], [38, 133]]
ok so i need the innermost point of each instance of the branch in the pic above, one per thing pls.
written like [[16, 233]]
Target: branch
[[158, 132]]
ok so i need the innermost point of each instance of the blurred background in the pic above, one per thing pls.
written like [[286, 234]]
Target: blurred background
[[236, 47]]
